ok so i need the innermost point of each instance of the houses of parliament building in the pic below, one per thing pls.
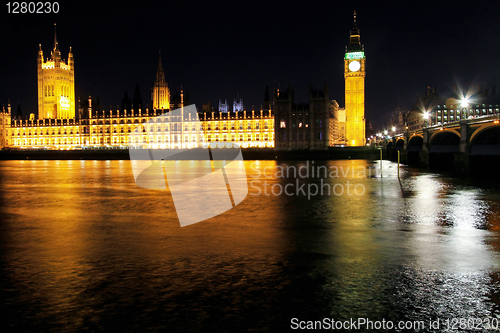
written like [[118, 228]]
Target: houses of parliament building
[[58, 125]]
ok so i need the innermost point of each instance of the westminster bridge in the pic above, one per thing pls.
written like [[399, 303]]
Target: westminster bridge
[[468, 147]]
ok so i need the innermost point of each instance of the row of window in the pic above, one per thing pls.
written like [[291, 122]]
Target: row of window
[[458, 106], [319, 123], [137, 139], [470, 112], [49, 90]]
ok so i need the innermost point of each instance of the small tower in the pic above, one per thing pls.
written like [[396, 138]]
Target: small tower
[[223, 106], [56, 84], [238, 104], [161, 93]]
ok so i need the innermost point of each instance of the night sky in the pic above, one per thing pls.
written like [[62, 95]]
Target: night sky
[[218, 49]]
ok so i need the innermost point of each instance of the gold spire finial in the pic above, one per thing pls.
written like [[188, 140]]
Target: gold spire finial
[[55, 37]]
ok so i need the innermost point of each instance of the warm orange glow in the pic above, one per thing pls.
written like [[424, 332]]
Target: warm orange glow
[[56, 88], [355, 104], [113, 132]]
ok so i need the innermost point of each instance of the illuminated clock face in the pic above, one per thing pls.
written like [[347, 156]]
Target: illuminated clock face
[[354, 66]]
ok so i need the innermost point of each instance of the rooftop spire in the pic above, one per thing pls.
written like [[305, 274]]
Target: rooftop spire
[[354, 40], [56, 45], [355, 30], [160, 74]]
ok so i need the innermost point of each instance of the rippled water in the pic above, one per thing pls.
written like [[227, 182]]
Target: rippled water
[[83, 248]]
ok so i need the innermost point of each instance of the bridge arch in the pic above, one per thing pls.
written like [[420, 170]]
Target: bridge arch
[[400, 143], [481, 129], [444, 131], [444, 142], [486, 141], [415, 142]]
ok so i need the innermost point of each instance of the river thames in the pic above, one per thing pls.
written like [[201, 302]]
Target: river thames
[[83, 248]]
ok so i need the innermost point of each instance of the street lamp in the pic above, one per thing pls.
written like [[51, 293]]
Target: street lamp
[[426, 118], [394, 128], [464, 103]]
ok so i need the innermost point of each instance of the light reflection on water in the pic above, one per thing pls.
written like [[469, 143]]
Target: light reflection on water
[[82, 247]]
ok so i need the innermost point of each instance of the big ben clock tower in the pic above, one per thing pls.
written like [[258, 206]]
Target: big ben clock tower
[[354, 74]]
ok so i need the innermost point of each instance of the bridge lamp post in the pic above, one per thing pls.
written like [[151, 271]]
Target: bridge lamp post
[[464, 103], [426, 118]]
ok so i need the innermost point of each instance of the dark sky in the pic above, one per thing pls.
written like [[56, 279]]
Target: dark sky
[[218, 49]]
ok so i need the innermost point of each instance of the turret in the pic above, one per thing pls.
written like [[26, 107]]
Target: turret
[[40, 56], [71, 61]]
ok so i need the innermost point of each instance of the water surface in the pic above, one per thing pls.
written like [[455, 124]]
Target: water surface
[[83, 248]]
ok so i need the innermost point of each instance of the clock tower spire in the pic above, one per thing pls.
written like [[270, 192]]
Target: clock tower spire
[[354, 75]]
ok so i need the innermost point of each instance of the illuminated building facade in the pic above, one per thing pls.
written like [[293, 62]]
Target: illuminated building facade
[[354, 74], [339, 135], [112, 128], [58, 128], [56, 85], [441, 110], [247, 128]]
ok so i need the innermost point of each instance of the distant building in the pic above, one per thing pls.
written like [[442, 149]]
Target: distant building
[[223, 107], [302, 126], [206, 107], [369, 129], [238, 104], [430, 109], [397, 119], [476, 102], [425, 106]]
